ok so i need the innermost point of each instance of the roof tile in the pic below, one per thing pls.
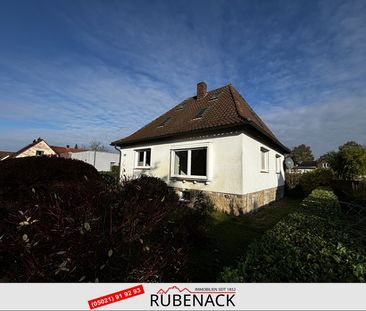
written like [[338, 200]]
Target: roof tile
[[229, 108]]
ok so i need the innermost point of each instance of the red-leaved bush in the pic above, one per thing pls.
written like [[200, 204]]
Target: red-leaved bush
[[61, 222]]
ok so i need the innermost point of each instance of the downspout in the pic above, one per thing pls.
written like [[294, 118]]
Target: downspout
[[120, 159]]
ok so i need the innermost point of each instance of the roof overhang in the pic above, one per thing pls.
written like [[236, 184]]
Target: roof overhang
[[247, 126]]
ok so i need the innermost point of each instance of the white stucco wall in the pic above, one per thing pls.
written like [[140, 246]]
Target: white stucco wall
[[41, 146], [253, 178], [234, 160], [100, 160], [224, 153]]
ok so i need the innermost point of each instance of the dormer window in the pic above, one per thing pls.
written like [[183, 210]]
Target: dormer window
[[215, 96], [164, 122], [200, 113], [181, 105]]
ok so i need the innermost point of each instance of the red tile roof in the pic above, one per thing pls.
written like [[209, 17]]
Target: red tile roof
[[225, 108], [60, 150], [4, 154]]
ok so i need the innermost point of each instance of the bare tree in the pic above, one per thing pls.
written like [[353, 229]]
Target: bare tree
[[96, 146]]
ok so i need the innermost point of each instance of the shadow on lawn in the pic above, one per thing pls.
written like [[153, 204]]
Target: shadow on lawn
[[228, 238]]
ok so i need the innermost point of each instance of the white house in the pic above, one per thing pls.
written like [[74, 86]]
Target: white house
[[212, 142], [306, 166], [37, 148]]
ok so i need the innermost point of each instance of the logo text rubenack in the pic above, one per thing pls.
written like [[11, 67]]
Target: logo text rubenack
[[176, 297]]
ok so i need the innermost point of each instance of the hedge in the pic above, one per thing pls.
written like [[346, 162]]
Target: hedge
[[62, 222], [316, 178], [313, 245]]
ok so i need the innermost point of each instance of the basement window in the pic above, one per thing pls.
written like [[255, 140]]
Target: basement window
[[143, 158], [184, 196], [200, 113], [190, 163], [264, 160]]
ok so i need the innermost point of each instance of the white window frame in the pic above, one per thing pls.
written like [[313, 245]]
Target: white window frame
[[137, 152], [41, 153], [189, 148], [264, 152], [278, 164]]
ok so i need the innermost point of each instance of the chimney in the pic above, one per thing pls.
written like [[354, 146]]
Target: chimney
[[201, 90], [67, 146]]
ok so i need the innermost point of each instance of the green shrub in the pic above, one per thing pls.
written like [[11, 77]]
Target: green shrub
[[309, 246], [292, 184], [197, 214], [292, 180], [322, 201], [313, 179]]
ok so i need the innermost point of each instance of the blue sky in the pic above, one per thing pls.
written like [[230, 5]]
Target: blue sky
[[76, 71]]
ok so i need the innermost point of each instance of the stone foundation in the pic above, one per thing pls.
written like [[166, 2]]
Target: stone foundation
[[241, 204]]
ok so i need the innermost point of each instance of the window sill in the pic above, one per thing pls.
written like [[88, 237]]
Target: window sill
[[142, 168], [265, 172], [190, 178]]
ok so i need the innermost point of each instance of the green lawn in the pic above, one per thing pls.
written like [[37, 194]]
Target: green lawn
[[229, 237]]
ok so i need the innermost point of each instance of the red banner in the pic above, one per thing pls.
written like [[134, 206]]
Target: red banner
[[115, 297]]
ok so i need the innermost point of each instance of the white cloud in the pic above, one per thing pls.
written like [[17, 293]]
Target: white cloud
[[303, 73]]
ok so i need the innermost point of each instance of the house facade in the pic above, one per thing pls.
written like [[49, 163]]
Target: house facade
[[102, 161], [38, 147], [305, 167], [212, 142]]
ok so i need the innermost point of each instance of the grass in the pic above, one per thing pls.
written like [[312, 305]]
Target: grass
[[229, 236]]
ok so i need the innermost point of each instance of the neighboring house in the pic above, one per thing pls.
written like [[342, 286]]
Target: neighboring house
[[5, 154], [323, 163], [102, 161], [212, 142], [304, 167], [37, 148]]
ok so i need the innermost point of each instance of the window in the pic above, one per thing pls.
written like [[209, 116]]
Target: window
[[264, 160], [39, 153], [199, 162], [143, 158], [278, 164], [112, 164], [215, 97], [181, 163], [181, 105], [164, 122], [184, 196], [190, 163], [200, 113]]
